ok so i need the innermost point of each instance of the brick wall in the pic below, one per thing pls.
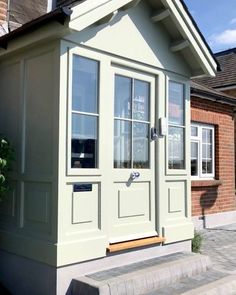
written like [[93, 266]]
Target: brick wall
[[3, 11], [210, 197]]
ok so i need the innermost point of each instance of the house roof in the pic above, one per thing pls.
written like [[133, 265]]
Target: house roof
[[227, 76], [186, 38], [60, 15], [202, 91]]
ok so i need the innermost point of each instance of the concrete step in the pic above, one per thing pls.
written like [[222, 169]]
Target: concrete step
[[142, 277], [211, 282]]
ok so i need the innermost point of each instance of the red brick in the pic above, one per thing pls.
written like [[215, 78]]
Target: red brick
[[209, 200]]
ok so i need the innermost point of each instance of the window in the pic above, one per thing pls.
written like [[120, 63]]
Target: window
[[202, 151], [176, 126], [84, 113]]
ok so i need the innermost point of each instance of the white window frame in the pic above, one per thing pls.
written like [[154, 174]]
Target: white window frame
[[185, 126], [198, 139], [81, 171]]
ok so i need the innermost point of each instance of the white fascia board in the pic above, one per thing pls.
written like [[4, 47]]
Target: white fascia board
[[189, 31], [91, 11]]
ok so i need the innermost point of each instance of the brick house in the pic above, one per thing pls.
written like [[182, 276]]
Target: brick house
[[212, 158], [225, 83], [225, 80]]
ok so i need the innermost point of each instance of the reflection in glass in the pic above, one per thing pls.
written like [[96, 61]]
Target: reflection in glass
[[141, 100], [122, 144], [207, 164], [194, 131], [176, 148], [206, 135], [84, 85], [194, 158], [140, 145], [207, 167], [123, 97], [84, 141], [176, 103]]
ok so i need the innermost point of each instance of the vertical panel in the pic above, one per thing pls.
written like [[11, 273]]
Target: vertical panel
[[37, 208], [39, 112]]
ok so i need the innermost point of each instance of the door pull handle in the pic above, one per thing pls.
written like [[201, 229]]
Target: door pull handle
[[154, 135], [134, 175]]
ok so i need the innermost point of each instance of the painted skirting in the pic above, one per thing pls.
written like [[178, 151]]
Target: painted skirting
[[39, 278], [214, 220]]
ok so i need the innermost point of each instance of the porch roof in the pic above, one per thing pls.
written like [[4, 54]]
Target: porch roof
[[186, 38]]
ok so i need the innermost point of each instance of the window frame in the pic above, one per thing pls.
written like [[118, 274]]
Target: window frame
[[198, 139], [81, 171], [184, 127]]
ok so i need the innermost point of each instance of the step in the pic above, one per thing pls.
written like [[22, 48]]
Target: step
[[211, 282], [226, 286], [142, 277]]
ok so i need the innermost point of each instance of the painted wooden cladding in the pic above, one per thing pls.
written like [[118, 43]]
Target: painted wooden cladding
[[66, 225]]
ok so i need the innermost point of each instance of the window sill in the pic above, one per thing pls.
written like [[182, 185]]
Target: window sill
[[206, 183]]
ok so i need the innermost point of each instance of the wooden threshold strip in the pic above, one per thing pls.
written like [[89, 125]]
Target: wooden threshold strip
[[134, 244]]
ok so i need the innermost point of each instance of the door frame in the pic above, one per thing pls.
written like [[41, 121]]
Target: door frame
[[121, 175]]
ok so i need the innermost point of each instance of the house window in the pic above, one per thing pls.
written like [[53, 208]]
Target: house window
[[202, 151], [84, 146], [176, 126]]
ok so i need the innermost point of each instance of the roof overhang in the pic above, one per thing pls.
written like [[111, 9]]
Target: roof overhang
[[173, 14], [185, 37], [203, 92]]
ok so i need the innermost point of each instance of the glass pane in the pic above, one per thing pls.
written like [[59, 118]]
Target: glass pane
[[176, 103], [141, 100], [194, 131], [84, 141], [122, 144], [176, 148], [140, 145], [123, 89], [207, 167], [194, 150], [84, 85], [206, 135], [206, 151], [194, 158]]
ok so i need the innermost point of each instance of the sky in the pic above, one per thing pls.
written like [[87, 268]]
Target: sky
[[216, 20]]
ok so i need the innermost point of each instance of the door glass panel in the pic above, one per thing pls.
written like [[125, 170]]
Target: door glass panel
[[131, 134], [122, 144], [176, 148], [123, 98], [141, 101], [84, 141], [84, 85], [140, 145]]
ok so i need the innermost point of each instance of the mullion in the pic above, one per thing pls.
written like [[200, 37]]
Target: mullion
[[131, 133]]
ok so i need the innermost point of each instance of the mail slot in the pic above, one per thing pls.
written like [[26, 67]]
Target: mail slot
[[83, 187]]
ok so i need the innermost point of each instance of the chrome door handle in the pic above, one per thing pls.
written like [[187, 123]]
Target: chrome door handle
[[154, 135], [134, 175]]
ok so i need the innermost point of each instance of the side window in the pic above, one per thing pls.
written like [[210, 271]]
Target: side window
[[176, 126], [84, 137], [202, 151]]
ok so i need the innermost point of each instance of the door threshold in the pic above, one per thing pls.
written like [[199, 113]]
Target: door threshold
[[134, 244]]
